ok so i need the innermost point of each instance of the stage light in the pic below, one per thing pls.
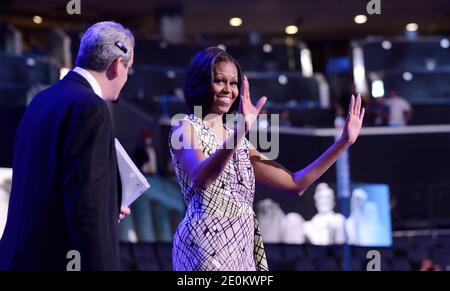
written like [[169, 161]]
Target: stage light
[[377, 88], [360, 19], [407, 76], [386, 44], [291, 29], [235, 21], [306, 62], [359, 71], [267, 48], [31, 62], [171, 74], [37, 19], [282, 79], [430, 64], [412, 26]]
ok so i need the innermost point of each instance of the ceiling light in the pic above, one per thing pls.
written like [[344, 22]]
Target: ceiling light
[[412, 27], [291, 29], [235, 21], [360, 19], [37, 19]]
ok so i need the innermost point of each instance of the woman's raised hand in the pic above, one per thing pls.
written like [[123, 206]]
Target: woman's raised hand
[[246, 108], [354, 120]]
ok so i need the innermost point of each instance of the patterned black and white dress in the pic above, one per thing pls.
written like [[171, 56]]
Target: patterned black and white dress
[[219, 230]]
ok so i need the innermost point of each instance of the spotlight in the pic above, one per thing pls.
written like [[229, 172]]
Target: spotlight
[[37, 19], [235, 21], [412, 26], [291, 29], [360, 19]]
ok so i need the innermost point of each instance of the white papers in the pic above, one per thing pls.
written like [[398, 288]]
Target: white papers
[[5, 189], [133, 182]]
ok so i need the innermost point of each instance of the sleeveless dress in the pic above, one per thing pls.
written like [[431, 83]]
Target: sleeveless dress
[[219, 231]]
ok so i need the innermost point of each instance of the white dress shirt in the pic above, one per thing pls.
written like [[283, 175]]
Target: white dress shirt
[[92, 81]]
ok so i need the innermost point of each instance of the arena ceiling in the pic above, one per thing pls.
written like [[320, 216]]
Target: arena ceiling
[[318, 19]]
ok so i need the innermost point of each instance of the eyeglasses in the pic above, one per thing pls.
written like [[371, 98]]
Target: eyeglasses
[[121, 47]]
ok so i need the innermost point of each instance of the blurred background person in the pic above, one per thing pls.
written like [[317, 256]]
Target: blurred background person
[[427, 264], [145, 153], [285, 118], [400, 111]]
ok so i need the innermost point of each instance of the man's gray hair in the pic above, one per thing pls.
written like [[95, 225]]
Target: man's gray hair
[[102, 43]]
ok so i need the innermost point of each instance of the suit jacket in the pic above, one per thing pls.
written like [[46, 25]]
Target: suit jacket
[[64, 190]]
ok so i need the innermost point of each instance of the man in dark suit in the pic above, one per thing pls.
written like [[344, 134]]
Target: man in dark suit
[[64, 190]]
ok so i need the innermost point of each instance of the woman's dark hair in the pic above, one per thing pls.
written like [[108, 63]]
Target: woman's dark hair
[[198, 87]]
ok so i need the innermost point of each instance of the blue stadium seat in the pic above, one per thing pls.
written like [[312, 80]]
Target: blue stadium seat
[[164, 54], [254, 58], [405, 55]]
